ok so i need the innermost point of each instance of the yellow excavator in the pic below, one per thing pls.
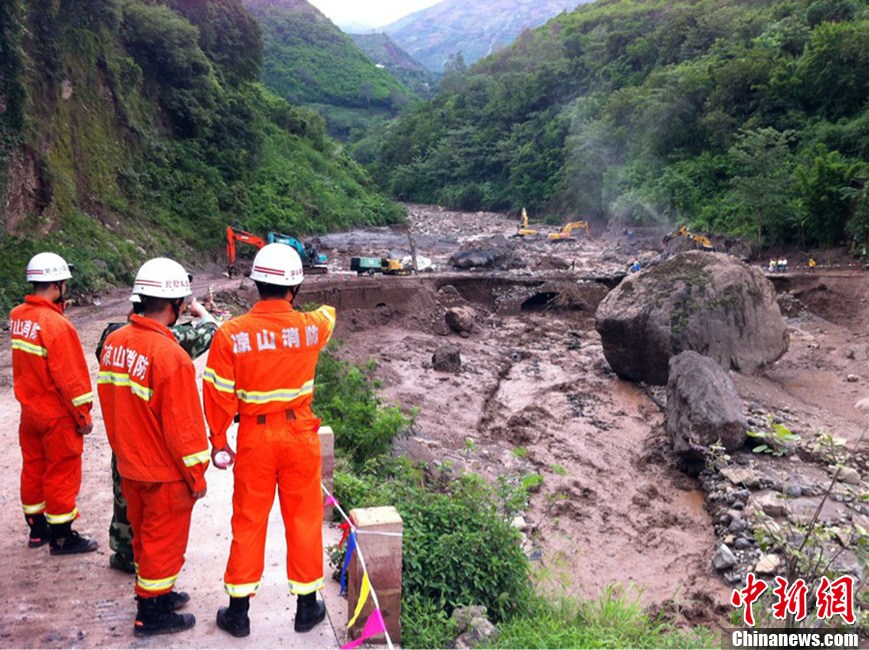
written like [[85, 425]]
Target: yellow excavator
[[564, 233], [703, 242], [523, 229]]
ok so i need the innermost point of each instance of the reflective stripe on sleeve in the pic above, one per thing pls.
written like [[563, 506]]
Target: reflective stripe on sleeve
[[29, 348], [221, 384], [33, 509], [83, 399], [123, 379], [303, 588], [241, 591], [161, 584], [195, 459], [277, 395], [62, 519]]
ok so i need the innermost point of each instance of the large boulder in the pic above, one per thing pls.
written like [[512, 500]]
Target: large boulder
[[460, 319], [494, 252], [447, 358], [710, 303], [703, 408]]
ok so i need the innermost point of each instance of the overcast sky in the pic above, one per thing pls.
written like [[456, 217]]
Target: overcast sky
[[374, 13]]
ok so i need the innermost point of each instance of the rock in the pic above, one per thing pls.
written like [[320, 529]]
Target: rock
[[852, 378], [858, 353], [741, 544], [771, 504], [497, 254], [703, 408], [447, 358], [737, 525], [706, 302], [767, 564], [849, 475], [740, 476], [475, 628], [723, 558], [460, 319], [519, 523], [464, 615]]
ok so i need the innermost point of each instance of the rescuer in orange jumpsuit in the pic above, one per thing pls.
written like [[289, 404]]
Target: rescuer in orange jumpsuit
[[147, 389], [261, 366], [54, 388]]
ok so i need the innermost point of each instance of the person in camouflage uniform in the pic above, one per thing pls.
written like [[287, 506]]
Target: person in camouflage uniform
[[195, 338]]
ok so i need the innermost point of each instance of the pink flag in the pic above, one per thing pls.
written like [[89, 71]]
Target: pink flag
[[330, 502], [374, 625]]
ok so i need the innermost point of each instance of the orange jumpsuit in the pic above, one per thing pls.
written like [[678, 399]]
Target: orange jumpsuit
[[261, 366], [53, 385], [147, 389]]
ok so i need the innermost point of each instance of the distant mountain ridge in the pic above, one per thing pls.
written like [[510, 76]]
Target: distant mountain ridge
[[386, 53], [476, 29], [307, 59]]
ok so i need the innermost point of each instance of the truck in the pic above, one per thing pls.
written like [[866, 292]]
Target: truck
[[372, 265]]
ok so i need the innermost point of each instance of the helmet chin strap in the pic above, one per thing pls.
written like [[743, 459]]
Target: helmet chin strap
[[61, 298], [176, 309]]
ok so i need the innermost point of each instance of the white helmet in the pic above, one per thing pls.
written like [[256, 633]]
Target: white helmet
[[48, 267], [161, 278], [277, 264]]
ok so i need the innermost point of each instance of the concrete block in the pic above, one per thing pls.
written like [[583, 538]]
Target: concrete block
[[327, 453], [382, 554]]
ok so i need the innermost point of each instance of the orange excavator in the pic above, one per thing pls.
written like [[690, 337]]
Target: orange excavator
[[233, 235]]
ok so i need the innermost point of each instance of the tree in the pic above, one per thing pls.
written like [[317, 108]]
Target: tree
[[762, 183], [821, 177], [835, 69]]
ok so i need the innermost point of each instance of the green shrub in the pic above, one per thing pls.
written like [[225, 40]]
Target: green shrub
[[459, 546], [615, 620], [346, 399], [166, 45], [425, 624]]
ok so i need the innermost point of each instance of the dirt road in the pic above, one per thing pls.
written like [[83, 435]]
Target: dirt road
[[534, 396]]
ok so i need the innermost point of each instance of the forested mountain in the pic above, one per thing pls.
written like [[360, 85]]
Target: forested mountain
[[308, 60], [456, 31], [746, 117], [130, 128], [386, 53]]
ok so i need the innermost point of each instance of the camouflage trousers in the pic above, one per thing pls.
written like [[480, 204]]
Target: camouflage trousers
[[120, 531]]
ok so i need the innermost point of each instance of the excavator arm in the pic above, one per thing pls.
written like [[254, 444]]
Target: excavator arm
[[564, 234], [701, 240], [522, 230], [236, 234]]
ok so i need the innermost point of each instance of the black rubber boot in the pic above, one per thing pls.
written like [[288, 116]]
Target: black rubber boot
[[177, 599], [309, 612], [122, 563], [155, 616], [66, 541], [234, 619], [39, 534]]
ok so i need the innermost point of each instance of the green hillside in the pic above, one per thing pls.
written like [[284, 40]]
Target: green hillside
[[309, 61], [745, 117], [129, 128]]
